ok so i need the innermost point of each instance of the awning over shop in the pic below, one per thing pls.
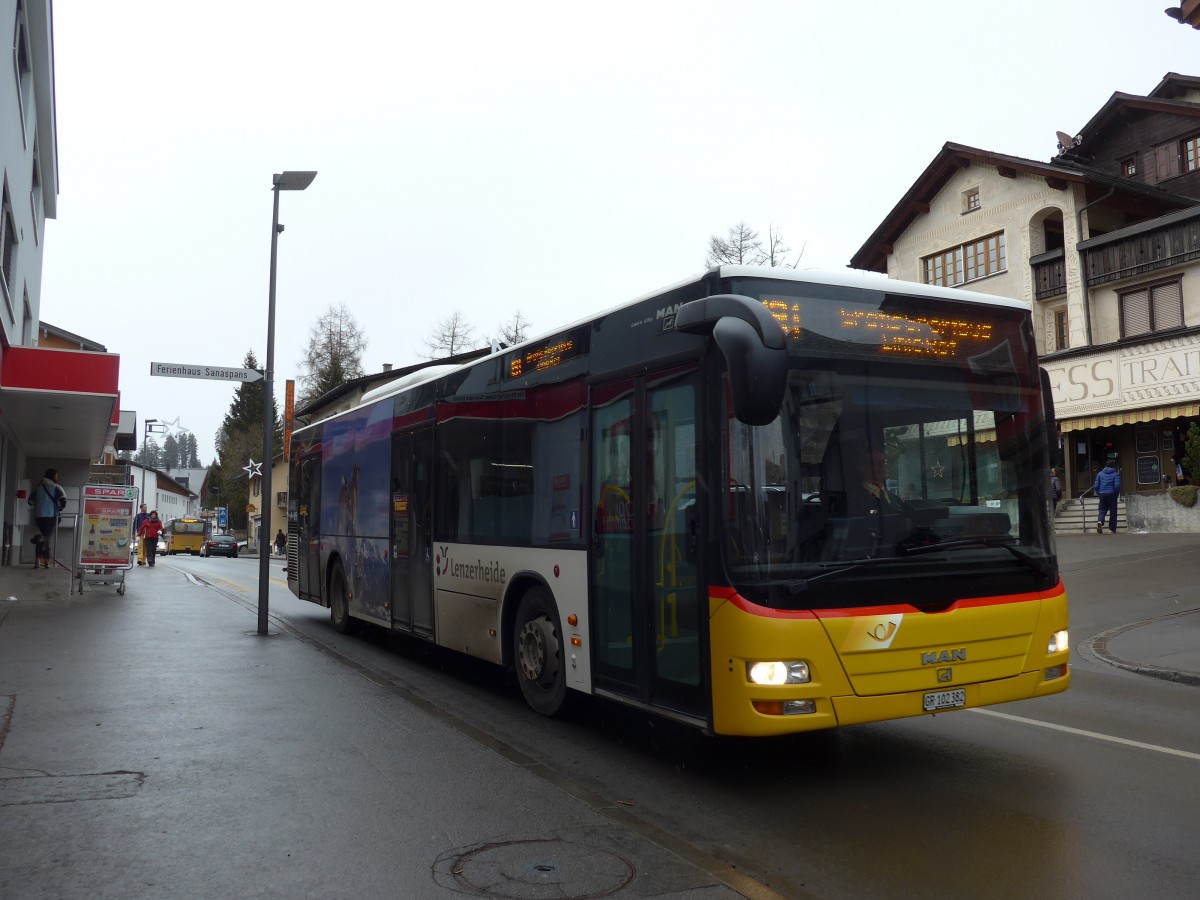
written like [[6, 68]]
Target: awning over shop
[[60, 404], [1131, 417]]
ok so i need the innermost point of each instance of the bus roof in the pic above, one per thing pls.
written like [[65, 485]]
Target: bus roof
[[871, 281], [852, 278]]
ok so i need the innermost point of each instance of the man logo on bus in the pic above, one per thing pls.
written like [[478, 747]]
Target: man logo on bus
[[443, 560]]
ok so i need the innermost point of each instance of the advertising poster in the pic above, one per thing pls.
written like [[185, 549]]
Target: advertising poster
[[106, 524]]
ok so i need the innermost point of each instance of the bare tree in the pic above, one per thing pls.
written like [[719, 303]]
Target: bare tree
[[743, 247], [453, 335], [334, 353], [515, 330], [777, 251]]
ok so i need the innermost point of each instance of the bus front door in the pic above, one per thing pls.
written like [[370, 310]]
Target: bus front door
[[411, 550], [649, 607]]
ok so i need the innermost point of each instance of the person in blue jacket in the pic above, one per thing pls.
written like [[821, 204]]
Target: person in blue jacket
[[47, 500], [1108, 488]]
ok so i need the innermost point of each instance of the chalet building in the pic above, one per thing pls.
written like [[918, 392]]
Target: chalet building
[[1103, 242]]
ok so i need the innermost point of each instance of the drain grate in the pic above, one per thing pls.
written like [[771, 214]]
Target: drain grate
[[534, 870]]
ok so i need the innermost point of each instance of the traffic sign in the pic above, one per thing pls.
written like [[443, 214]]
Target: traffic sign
[[212, 373]]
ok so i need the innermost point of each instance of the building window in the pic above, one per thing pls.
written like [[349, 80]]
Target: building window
[[23, 66], [1060, 329], [1151, 308], [971, 200], [8, 247], [1129, 167], [967, 262], [35, 194], [1191, 153]]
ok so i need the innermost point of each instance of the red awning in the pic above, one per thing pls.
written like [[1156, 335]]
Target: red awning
[[60, 404]]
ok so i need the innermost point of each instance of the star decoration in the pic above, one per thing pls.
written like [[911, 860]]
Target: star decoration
[[255, 468], [174, 424], [937, 470]]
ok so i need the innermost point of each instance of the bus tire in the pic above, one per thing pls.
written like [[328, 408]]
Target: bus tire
[[339, 602], [538, 653]]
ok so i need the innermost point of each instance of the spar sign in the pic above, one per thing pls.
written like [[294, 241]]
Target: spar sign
[[106, 524]]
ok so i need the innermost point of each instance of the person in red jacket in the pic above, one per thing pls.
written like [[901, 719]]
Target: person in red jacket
[[149, 533]]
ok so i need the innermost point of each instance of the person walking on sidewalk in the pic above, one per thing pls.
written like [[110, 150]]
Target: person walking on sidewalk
[[137, 529], [1108, 489], [280, 542], [149, 533], [48, 500]]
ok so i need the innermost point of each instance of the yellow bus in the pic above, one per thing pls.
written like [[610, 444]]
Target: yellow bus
[[759, 502], [185, 535]]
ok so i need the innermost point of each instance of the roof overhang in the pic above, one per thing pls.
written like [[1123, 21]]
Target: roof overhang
[[1059, 175], [60, 404]]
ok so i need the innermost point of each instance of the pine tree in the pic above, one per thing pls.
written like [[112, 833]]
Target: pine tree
[[239, 440]]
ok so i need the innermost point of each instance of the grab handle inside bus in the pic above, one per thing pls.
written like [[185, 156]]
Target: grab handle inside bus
[[753, 346], [1051, 424]]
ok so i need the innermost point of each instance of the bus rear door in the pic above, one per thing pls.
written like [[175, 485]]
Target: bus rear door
[[411, 548]]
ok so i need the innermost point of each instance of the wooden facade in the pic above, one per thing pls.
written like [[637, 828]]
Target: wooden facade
[[1143, 253]]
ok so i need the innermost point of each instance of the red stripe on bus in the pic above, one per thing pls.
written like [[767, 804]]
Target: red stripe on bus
[[768, 612]]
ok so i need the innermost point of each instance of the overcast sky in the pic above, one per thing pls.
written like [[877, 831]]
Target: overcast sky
[[555, 158]]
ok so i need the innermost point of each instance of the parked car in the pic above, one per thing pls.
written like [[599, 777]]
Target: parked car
[[220, 545]]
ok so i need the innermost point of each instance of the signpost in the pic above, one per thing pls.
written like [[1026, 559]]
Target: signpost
[[211, 373]]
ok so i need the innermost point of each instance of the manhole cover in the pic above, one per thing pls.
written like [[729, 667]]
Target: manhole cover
[[536, 870]]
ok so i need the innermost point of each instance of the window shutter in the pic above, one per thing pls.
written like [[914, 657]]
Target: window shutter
[[1168, 306], [1135, 313]]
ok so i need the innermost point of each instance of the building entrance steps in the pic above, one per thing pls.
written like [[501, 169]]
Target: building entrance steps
[[1077, 516]]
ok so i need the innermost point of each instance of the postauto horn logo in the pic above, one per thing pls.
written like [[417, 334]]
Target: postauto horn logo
[[476, 570]]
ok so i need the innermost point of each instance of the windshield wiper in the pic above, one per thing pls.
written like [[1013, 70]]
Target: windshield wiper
[[799, 585], [1040, 565]]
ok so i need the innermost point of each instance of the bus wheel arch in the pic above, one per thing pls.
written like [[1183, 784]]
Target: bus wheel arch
[[539, 652], [339, 597]]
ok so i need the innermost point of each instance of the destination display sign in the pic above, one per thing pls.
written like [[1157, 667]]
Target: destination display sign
[[546, 355], [889, 329], [213, 373]]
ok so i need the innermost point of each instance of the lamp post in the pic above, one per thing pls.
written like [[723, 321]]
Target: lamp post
[[288, 181], [152, 427]]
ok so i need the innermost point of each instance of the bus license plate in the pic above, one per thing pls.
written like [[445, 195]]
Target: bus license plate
[[945, 699]]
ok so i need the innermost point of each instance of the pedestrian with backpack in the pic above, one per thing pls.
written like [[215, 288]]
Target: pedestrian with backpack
[[48, 501]]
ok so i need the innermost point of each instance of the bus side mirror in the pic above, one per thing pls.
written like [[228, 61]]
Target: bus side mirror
[[752, 344]]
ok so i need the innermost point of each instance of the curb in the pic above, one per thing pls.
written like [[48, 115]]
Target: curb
[[1098, 646]]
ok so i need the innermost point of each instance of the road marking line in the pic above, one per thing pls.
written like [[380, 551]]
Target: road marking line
[[1186, 754]]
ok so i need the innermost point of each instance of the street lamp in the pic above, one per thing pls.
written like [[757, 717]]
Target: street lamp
[[288, 181], [153, 426]]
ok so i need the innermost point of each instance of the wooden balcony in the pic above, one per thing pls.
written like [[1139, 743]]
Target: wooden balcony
[[1143, 249], [1049, 275]]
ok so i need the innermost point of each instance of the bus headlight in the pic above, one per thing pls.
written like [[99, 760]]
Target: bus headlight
[[778, 672], [1058, 642]]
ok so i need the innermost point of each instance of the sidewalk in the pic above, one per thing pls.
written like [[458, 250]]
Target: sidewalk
[[1166, 646], [153, 745]]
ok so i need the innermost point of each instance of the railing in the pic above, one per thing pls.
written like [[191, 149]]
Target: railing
[[1083, 519], [1143, 253], [1049, 275]]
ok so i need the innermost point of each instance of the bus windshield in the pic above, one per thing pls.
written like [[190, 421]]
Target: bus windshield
[[893, 475], [188, 526]]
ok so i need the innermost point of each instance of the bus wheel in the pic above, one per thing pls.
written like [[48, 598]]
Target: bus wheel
[[339, 605], [538, 651]]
